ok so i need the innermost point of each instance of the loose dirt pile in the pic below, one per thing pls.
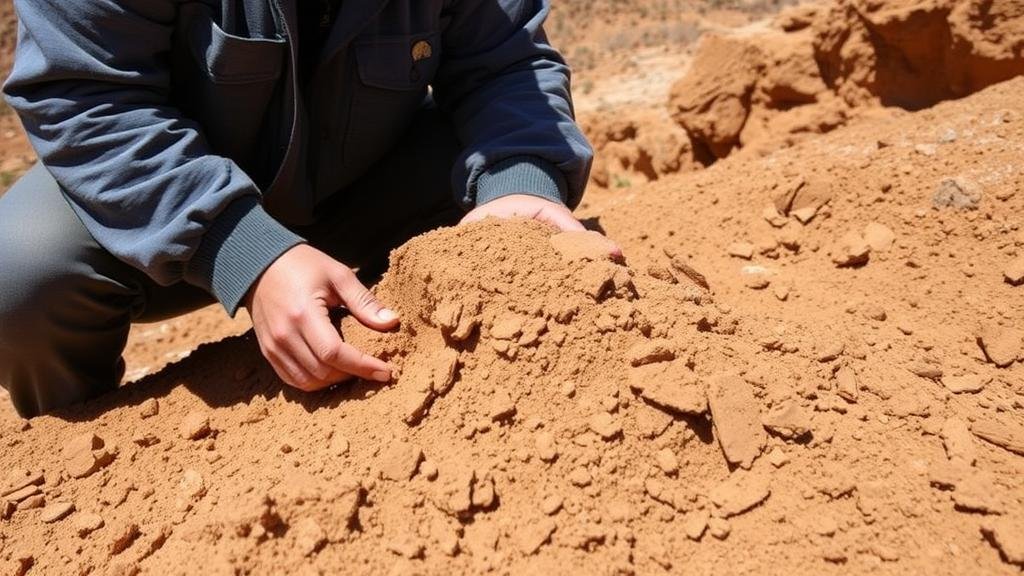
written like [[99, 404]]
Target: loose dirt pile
[[547, 401]]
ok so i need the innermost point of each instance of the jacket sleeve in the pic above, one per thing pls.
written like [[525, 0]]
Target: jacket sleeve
[[507, 91], [91, 83]]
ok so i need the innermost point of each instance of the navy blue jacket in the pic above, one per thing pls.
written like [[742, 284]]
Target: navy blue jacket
[[179, 135]]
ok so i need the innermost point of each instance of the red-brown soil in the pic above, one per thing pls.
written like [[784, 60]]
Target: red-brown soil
[[810, 361]]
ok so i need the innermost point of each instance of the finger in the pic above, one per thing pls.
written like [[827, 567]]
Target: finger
[[362, 303], [353, 361], [325, 344], [287, 370], [333, 377], [474, 215], [615, 251], [305, 357], [561, 219]]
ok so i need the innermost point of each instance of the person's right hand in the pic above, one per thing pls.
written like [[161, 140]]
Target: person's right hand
[[290, 304]]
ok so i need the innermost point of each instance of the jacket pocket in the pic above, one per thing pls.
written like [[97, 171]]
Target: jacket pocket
[[388, 88], [406, 62], [225, 82]]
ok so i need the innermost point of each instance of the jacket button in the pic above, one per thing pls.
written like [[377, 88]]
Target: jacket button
[[421, 51]]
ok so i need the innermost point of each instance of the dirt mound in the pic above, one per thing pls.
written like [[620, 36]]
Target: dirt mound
[[881, 263], [817, 65], [637, 147], [567, 389]]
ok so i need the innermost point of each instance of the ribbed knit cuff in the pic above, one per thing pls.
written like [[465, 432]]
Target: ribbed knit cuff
[[522, 175], [241, 243]]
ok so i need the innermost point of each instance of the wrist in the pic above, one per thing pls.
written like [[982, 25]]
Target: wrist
[[525, 175]]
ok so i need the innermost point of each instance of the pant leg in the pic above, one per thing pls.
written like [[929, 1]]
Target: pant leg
[[407, 193], [66, 304]]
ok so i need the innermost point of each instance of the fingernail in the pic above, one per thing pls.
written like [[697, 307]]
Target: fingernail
[[381, 376], [385, 315]]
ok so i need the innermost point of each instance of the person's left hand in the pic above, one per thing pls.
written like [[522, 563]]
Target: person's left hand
[[526, 206], [531, 207]]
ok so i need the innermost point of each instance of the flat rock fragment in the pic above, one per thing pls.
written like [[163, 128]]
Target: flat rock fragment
[[86, 523], [736, 415], [744, 250], [650, 351], [926, 370], [1011, 439], [19, 478], [424, 378], [958, 441], [829, 350], [787, 420], [670, 386], [679, 264], [739, 493], [23, 493], [975, 494], [846, 384], [85, 454], [1001, 345], [535, 534], [1006, 534], [56, 511], [651, 421], [502, 406], [967, 383], [695, 524]]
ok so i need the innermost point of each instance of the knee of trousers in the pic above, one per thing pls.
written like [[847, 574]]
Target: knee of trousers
[[44, 279]]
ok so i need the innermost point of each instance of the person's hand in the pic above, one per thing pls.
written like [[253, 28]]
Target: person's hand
[[532, 207], [290, 304], [526, 206]]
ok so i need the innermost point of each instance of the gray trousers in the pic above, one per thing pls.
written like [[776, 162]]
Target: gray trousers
[[66, 304]]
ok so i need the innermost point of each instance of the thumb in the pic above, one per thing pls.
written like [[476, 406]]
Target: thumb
[[362, 303], [474, 215], [561, 219]]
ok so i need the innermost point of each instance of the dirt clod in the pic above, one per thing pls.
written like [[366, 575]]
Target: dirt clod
[[1008, 535], [86, 523], [1013, 272], [195, 426], [736, 416], [85, 454], [56, 511], [1001, 345]]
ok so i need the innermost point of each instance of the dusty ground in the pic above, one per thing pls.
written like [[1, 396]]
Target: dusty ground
[[845, 396]]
